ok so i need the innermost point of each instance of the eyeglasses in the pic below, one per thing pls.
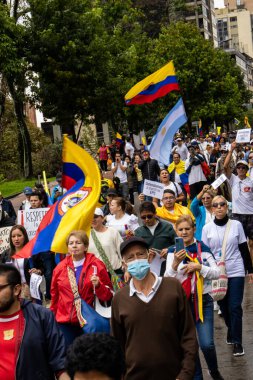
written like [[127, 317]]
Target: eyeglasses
[[149, 216], [221, 204], [5, 286], [242, 167], [138, 255], [168, 198]]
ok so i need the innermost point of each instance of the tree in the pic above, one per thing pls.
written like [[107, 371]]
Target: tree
[[211, 84], [13, 69]]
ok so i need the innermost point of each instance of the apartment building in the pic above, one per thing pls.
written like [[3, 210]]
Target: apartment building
[[239, 4], [202, 12]]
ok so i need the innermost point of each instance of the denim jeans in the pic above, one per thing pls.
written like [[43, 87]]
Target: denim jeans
[[124, 190], [231, 308], [205, 337]]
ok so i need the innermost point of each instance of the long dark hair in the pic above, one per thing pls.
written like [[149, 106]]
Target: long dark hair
[[23, 231]]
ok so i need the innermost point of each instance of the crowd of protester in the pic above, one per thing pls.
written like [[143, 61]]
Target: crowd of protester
[[165, 311]]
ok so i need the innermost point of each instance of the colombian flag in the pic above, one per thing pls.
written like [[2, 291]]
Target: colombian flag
[[154, 86], [180, 170], [75, 210], [118, 139]]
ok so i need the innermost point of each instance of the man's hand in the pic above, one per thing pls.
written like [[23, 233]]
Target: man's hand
[[250, 277]]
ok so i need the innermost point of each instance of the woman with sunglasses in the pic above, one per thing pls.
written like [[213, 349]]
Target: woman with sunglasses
[[195, 267], [237, 262], [203, 214]]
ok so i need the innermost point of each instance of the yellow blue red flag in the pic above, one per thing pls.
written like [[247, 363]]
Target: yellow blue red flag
[[154, 86], [75, 210]]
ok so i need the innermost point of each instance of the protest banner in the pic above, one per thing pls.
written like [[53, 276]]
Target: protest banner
[[31, 219], [243, 136], [4, 238], [153, 189], [222, 178]]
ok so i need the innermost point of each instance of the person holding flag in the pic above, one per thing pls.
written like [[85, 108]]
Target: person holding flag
[[194, 266]]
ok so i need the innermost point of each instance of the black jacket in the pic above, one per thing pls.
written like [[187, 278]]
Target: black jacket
[[42, 347], [150, 169], [8, 207], [34, 262]]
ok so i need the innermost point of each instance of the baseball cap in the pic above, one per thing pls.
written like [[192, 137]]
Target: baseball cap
[[242, 162], [98, 212], [133, 240], [223, 148], [27, 191]]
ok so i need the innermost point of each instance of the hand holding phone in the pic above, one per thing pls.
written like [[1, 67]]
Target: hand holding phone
[[179, 242]]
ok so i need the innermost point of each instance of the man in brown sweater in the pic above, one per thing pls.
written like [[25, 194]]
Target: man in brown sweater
[[152, 320]]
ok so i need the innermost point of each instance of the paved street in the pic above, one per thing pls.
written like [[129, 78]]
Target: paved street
[[235, 368]]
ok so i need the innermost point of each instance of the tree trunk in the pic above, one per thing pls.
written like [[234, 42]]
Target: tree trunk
[[23, 134]]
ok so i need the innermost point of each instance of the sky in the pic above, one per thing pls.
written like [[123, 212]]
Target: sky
[[219, 3]]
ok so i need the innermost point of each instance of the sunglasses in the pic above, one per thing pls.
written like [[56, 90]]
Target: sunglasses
[[221, 204], [96, 216], [149, 216], [242, 167]]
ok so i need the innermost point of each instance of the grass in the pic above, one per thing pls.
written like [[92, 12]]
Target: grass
[[8, 188]]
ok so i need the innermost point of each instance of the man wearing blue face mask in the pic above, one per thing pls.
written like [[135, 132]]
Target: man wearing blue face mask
[[152, 320]]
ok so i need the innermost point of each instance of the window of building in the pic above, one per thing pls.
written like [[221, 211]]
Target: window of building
[[233, 19]]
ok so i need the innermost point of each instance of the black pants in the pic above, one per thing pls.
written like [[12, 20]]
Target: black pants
[[196, 188], [103, 165]]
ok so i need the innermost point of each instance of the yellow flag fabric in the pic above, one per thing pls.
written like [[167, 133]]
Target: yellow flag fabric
[[179, 210]]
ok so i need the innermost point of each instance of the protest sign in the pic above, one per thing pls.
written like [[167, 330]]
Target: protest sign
[[243, 135], [4, 238], [31, 219], [218, 181], [153, 189], [35, 282]]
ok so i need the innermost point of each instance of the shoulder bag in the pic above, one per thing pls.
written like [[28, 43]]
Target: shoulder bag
[[220, 285], [117, 283], [89, 319]]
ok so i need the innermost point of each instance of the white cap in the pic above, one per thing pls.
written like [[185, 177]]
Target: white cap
[[242, 162], [98, 212]]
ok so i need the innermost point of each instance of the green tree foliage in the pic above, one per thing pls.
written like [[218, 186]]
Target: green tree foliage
[[211, 84], [13, 69], [46, 156]]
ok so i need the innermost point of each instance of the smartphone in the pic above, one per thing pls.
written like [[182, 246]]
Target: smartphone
[[179, 242]]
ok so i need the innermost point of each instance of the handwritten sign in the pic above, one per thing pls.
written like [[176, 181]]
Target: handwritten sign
[[222, 178], [243, 135], [35, 282], [4, 238], [31, 219], [153, 189]]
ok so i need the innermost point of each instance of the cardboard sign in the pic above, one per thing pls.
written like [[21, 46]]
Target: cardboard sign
[[243, 136], [31, 219], [4, 238], [222, 178], [153, 189]]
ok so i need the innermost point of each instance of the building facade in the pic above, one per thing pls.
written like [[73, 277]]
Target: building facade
[[202, 12], [239, 4]]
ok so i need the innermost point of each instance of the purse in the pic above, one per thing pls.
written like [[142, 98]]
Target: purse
[[220, 285], [89, 319]]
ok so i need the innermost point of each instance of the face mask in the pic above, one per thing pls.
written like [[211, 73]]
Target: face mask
[[139, 268]]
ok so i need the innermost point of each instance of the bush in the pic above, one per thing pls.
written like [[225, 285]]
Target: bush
[[48, 158]]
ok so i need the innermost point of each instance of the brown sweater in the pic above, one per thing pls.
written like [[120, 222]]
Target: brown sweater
[[158, 337]]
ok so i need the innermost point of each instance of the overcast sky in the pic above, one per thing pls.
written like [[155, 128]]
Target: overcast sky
[[219, 3]]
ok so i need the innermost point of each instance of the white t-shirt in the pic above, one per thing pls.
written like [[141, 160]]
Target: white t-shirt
[[196, 173], [182, 150], [250, 173], [122, 175], [19, 264], [129, 148], [110, 241], [242, 195], [127, 222], [174, 187], [152, 228], [212, 236]]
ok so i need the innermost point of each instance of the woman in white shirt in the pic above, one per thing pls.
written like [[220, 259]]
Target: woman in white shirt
[[18, 239], [110, 240], [237, 261], [120, 220], [195, 267]]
